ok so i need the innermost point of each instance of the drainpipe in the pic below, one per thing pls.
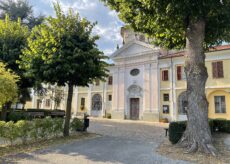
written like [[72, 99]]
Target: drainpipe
[[103, 102], [172, 83]]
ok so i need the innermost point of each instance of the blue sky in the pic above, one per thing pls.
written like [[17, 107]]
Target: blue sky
[[108, 27]]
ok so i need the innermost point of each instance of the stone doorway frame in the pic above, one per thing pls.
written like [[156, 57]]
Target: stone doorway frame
[[134, 91]]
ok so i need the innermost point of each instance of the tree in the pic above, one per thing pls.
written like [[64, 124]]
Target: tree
[[194, 25], [63, 51], [8, 87], [20, 9], [12, 39]]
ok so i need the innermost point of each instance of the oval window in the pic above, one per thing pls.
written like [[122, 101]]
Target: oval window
[[134, 72]]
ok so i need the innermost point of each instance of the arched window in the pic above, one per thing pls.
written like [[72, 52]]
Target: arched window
[[96, 102]]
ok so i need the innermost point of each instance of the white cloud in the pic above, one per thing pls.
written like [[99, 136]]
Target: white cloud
[[108, 26]]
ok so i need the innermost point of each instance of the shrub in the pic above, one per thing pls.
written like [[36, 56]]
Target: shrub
[[45, 129], [57, 126], [2, 125], [10, 131], [221, 125], [24, 129], [35, 132], [108, 115], [176, 130], [77, 124], [16, 116]]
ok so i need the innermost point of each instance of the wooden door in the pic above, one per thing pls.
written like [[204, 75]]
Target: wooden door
[[134, 108]]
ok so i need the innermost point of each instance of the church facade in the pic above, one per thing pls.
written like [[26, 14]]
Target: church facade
[[148, 83]]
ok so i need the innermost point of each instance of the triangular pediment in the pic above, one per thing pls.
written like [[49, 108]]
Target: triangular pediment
[[133, 49]]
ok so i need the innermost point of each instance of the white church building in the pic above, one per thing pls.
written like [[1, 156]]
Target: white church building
[[148, 83]]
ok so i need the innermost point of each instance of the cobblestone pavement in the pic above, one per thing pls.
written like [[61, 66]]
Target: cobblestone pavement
[[120, 142]]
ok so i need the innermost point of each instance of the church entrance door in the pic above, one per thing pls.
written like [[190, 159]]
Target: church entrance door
[[134, 108]]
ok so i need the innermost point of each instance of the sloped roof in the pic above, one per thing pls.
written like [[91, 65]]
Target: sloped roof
[[132, 48], [182, 53]]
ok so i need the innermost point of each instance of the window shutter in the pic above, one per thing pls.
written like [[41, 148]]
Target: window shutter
[[220, 69], [110, 81], [165, 75], [214, 70], [179, 72]]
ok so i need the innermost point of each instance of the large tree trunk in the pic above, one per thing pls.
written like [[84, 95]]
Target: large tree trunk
[[68, 110], [197, 135]]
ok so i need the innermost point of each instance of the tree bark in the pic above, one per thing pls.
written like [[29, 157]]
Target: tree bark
[[197, 135], [68, 110]]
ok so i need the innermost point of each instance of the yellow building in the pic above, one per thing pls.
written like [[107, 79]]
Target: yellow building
[[173, 85], [148, 83]]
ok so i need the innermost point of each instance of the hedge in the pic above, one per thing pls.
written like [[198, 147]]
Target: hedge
[[176, 129], [35, 130], [30, 114]]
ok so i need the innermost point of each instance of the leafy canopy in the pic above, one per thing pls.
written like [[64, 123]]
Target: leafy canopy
[[20, 9], [62, 50], [166, 21], [12, 40], [8, 87]]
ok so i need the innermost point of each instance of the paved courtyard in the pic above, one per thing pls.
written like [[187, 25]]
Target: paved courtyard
[[120, 142]]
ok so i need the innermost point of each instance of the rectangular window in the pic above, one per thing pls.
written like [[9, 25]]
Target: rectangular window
[[217, 69], [39, 103], [165, 75], [110, 80], [110, 97], [166, 109], [82, 101], [166, 97], [47, 102], [220, 105], [97, 82], [180, 73]]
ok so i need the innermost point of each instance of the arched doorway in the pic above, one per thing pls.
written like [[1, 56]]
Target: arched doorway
[[182, 103], [96, 105]]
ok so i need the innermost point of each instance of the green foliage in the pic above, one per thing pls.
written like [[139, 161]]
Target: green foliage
[[12, 39], [15, 9], [46, 127], [57, 126], [221, 125], [29, 131], [2, 125], [35, 132], [63, 50], [20, 9], [77, 124], [10, 131], [8, 87], [16, 116], [167, 21], [24, 130], [176, 130]]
